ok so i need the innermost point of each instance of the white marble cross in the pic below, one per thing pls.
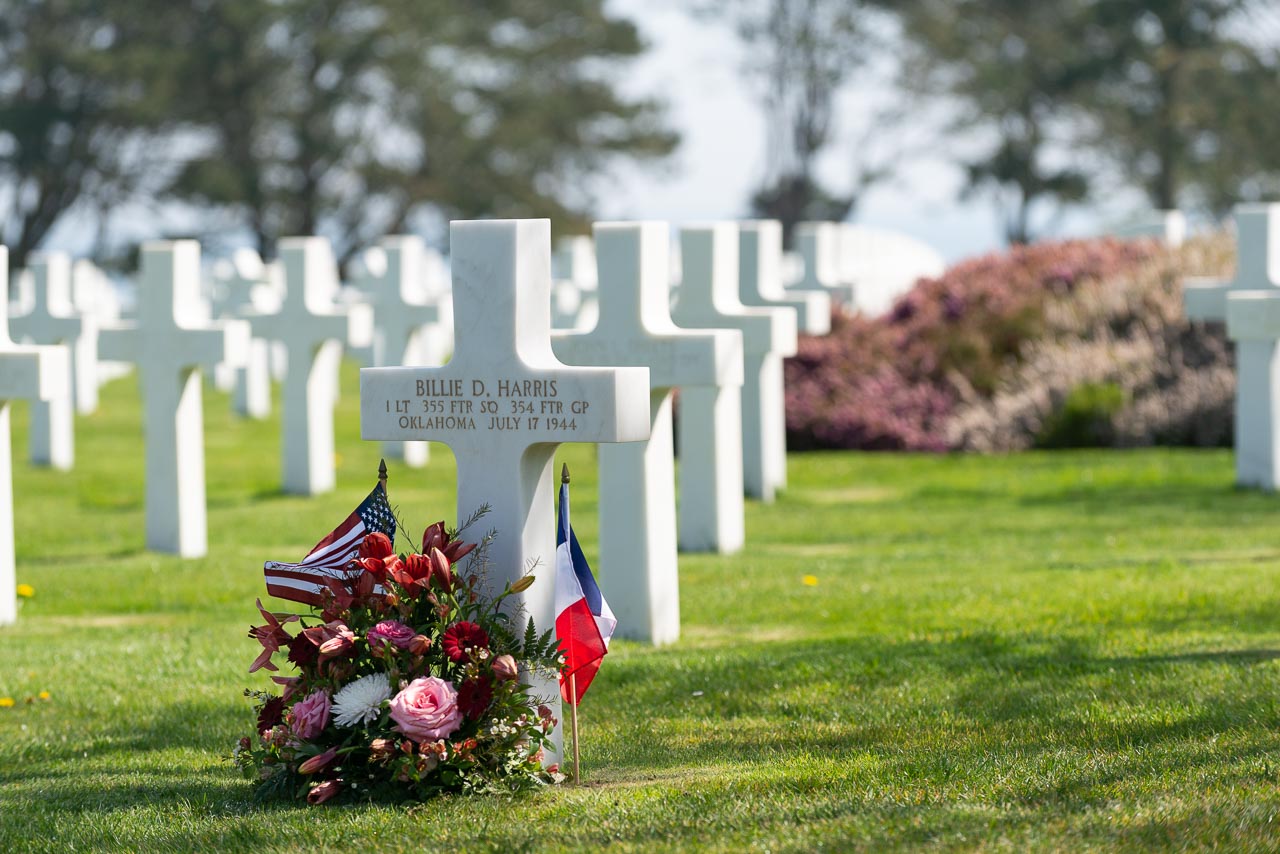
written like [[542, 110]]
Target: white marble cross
[[574, 284], [820, 247], [760, 277], [313, 330], [245, 287], [54, 319], [1253, 323], [637, 480], [1257, 264], [395, 280], [708, 299], [504, 402], [26, 373], [170, 341], [1248, 304]]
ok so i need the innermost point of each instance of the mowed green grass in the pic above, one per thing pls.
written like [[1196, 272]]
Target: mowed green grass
[[1045, 651]]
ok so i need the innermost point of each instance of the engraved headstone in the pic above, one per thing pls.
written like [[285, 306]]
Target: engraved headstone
[[637, 480], [26, 373], [504, 402], [170, 341], [708, 299]]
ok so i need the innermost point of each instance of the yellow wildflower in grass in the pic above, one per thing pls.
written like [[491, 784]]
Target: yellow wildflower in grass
[[26, 591], [43, 695], [6, 702], [810, 581]]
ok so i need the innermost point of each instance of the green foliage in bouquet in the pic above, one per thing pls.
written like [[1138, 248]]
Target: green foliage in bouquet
[[408, 683]]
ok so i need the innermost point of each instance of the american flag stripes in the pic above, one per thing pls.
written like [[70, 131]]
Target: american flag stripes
[[305, 582]]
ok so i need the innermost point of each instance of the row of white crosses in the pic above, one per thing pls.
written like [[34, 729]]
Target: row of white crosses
[[1250, 305], [863, 269]]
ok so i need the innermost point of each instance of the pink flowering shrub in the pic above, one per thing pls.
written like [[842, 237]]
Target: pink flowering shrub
[[986, 356]]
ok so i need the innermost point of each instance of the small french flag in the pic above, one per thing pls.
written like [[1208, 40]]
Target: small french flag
[[584, 622]]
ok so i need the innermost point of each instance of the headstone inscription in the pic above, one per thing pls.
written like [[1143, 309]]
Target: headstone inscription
[[54, 320], [313, 330], [396, 284], [761, 278], [1247, 305], [26, 373], [504, 402], [639, 573], [170, 341], [708, 299]]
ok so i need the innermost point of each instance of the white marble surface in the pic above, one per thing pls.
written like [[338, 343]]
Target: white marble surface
[[55, 320], [26, 373], [1253, 323], [313, 329], [708, 299], [170, 341], [575, 302], [246, 287], [504, 402], [818, 245], [760, 278], [639, 569], [1257, 264], [395, 281]]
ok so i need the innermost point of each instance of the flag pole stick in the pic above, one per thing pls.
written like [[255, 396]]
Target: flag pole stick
[[573, 707], [573, 679]]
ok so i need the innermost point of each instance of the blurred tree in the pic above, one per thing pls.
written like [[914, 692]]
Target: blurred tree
[[352, 117], [82, 103], [1183, 108], [800, 53], [1011, 71]]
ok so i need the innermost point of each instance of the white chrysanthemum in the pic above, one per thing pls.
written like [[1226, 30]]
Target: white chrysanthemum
[[361, 701]]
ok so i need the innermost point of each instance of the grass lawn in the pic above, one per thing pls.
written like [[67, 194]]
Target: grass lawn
[[1044, 651]]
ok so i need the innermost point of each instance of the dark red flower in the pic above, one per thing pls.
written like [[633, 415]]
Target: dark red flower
[[271, 714], [435, 537], [474, 696], [272, 636], [411, 573], [302, 651], [376, 546], [462, 639], [441, 571], [324, 792]]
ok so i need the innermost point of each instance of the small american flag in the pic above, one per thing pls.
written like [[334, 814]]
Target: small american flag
[[305, 582]]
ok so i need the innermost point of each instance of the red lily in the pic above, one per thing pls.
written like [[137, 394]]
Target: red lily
[[272, 636]]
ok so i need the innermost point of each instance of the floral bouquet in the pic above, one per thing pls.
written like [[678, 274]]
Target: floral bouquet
[[407, 686]]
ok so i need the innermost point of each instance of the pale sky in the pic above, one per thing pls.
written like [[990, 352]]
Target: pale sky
[[695, 66]]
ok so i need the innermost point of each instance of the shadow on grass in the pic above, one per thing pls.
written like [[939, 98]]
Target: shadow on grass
[[1049, 724]]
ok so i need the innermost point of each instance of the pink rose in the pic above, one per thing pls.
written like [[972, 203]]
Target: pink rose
[[309, 716], [391, 632], [426, 709]]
